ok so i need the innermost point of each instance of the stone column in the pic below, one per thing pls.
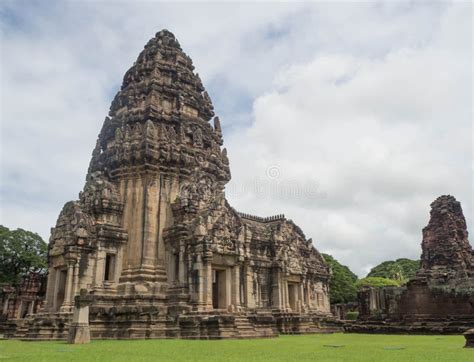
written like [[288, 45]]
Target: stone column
[[75, 281], [32, 307], [100, 268], [200, 287], [228, 287], [286, 303], [277, 292], [208, 284], [79, 332], [18, 311], [250, 299], [308, 294], [56, 290], [236, 286], [67, 304], [181, 275], [5, 306], [50, 286], [301, 299]]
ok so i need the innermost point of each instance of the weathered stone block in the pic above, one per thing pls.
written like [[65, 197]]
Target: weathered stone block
[[469, 335]]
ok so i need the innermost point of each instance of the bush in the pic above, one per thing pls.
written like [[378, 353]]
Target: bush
[[376, 282], [400, 270], [352, 316]]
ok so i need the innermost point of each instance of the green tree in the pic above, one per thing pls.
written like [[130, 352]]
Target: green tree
[[21, 252], [376, 282], [342, 288], [400, 270]]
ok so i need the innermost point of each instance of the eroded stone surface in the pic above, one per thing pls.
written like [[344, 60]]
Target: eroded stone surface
[[469, 335], [152, 237], [79, 331], [447, 256]]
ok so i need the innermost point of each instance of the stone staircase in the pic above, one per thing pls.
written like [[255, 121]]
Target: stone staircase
[[44, 327], [220, 325], [243, 327], [308, 323]]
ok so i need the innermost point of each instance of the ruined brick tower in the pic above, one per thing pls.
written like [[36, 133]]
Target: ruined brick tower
[[440, 298], [447, 256], [152, 238]]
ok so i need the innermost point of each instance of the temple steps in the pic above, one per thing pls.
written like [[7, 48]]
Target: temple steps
[[244, 329]]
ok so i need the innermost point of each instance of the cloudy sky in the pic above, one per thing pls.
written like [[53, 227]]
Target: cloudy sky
[[349, 118]]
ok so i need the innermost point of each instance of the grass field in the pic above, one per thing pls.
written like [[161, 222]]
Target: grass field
[[335, 347]]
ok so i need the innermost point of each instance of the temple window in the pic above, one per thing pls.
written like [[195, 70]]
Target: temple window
[[109, 267]]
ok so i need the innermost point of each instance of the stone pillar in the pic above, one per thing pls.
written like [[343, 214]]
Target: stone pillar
[[207, 283], [75, 281], [5, 306], [276, 297], [31, 307], [100, 267], [79, 332], [250, 299], [181, 275], [301, 299], [284, 289], [236, 286], [50, 286], [18, 310], [67, 304], [228, 286], [200, 287], [57, 274]]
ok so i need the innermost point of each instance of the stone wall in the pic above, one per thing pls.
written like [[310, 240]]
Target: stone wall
[[26, 298]]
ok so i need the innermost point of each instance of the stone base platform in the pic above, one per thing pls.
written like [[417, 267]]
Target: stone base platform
[[41, 327], [153, 322], [409, 326]]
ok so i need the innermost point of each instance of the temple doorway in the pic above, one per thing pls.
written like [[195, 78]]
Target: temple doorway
[[219, 289]]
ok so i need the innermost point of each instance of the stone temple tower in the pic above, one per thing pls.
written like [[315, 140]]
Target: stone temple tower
[[152, 239], [156, 141]]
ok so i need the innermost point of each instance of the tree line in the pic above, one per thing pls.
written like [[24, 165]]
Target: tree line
[[21, 252], [344, 283]]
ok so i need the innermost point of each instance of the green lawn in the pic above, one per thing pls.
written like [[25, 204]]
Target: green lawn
[[335, 347]]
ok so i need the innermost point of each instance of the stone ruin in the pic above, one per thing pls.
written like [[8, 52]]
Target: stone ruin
[[440, 299], [26, 298], [152, 238]]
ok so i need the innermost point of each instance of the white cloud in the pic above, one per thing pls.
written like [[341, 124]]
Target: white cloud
[[362, 109], [382, 136]]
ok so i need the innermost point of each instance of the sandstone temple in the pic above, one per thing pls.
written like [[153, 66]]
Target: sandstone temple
[[152, 241]]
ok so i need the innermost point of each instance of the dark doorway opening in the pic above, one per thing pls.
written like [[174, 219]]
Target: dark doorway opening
[[219, 289]]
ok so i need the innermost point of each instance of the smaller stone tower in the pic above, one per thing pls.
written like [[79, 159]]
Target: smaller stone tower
[[447, 256]]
